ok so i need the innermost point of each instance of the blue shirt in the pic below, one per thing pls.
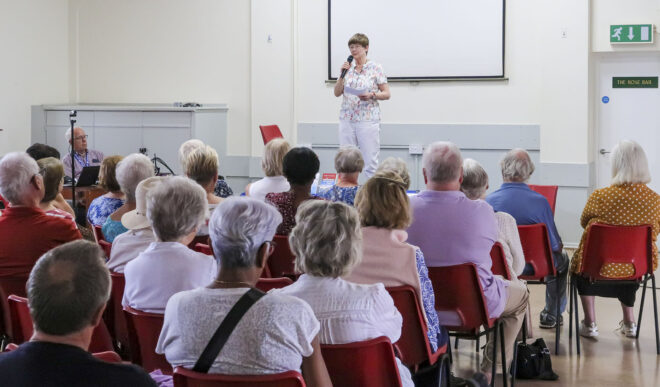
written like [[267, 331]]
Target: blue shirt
[[527, 207], [339, 194], [112, 228]]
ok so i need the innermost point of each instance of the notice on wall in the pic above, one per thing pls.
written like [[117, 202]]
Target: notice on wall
[[634, 82]]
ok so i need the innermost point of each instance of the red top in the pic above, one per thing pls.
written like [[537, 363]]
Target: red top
[[283, 201], [26, 233]]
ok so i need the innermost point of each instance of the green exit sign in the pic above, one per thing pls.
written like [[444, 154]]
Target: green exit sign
[[635, 82], [631, 33]]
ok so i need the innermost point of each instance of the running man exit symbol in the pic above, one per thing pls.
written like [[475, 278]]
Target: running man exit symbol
[[631, 33]]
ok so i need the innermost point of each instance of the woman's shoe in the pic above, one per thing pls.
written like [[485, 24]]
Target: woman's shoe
[[588, 331], [627, 329]]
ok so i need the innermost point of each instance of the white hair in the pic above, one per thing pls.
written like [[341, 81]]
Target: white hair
[[349, 159], [475, 179], [16, 171], [186, 148], [67, 134], [629, 164], [442, 162], [176, 207], [238, 227], [130, 171], [516, 166]]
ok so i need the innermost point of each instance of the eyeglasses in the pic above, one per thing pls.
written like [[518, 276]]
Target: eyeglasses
[[81, 137]]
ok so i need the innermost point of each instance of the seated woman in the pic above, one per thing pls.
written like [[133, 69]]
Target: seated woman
[[277, 334], [130, 172], [474, 186], [300, 166], [384, 210], [627, 202], [201, 165], [327, 242], [271, 164], [348, 164], [52, 171], [103, 206], [222, 189], [176, 209]]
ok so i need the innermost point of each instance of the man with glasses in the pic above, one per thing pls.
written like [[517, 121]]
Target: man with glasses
[[83, 157]]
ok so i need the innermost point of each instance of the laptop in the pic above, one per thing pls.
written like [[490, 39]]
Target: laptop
[[88, 176]]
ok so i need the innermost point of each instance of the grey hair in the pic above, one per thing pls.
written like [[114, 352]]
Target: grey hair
[[130, 171], [16, 171], [327, 239], [176, 207], [349, 159], [67, 287], [397, 165], [475, 179], [67, 134], [186, 148], [442, 162], [629, 164], [516, 166], [238, 227]]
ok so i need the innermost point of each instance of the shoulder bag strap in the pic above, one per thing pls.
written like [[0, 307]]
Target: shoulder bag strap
[[225, 329]]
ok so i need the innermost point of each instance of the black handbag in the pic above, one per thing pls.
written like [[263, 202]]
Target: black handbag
[[533, 361]]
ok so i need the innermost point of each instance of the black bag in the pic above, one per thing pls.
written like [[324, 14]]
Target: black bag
[[533, 361]]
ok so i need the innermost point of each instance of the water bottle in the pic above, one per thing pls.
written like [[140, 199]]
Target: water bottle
[[315, 184]]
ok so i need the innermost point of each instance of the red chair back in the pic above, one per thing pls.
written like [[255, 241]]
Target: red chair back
[[368, 363], [266, 284], [188, 378], [269, 132], [414, 347], [203, 239], [98, 234], [114, 313], [282, 261], [143, 331], [617, 244], [9, 286], [499, 262], [458, 289], [203, 248], [106, 247], [549, 191], [5, 203], [538, 251]]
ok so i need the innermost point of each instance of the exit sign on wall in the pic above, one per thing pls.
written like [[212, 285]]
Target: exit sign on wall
[[631, 33]]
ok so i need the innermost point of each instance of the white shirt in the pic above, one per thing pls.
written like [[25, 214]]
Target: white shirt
[[507, 235], [272, 337], [350, 312], [163, 269], [260, 188], [127, 246], [204, 229]]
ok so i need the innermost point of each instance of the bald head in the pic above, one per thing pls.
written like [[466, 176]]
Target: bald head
[[442, 163], [517, 166]]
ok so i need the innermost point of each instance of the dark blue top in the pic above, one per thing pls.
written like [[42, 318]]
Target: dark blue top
[[527, 207]]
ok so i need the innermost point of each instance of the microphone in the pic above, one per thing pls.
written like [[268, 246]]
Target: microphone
[[343, 72]]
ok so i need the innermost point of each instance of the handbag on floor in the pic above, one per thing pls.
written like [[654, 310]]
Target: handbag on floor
[[533, 361]]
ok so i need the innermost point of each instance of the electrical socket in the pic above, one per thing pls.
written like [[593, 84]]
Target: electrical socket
[[415, 149]]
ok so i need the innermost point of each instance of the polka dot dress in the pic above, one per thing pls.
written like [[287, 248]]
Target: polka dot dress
[[622, 205]]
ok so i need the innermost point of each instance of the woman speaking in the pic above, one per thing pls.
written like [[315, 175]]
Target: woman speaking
[[359, 118]]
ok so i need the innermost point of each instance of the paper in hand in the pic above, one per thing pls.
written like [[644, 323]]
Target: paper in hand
[[358, 92]]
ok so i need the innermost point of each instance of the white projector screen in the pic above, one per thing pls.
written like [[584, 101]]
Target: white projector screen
[[421, 39]]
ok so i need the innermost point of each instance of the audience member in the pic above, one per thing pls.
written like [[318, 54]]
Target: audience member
[[627, 202], [140, 235], [327, 243], [83, 157], [277, 334], [26, 232], [451, 229], [67, 292], [271, 164], [101, 207], [52, 171], [528, 207], [348, 164], [222, 189], [176, 208], [300, 166], [130, 171], [39, 151], [384, 210], [202, 166]]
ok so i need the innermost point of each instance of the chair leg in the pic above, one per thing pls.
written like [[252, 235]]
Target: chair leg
[[456, 343], [570, 309], [576, 317], [524, 329], [641, 305], [505, 376], [494, 359], [514, 364], [451, 358], [477, 343], [558, 326], [655, 314]]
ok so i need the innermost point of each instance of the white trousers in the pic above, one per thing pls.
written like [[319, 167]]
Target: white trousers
[[366, 136]]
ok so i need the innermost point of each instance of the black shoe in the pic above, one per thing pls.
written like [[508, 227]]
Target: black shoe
[[548, 321]]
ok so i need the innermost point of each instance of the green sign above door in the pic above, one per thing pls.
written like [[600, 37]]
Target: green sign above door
[[634, 82], [631, 33]]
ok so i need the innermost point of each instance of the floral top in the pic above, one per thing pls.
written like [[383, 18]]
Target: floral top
[[352, 109], [437, 336], [624, 205], [112, 228], [339, 194], [283, 201], [101, 208], [222, 189]]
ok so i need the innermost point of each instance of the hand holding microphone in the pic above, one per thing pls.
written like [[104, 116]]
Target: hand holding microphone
[[346, 66]]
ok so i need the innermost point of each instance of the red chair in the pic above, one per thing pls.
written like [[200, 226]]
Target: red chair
[[98, 234], [204, 249], [538, 253], [458, 291], [266, 284], [9, 286], [203, 239], [549, 191], [500, 266], [414, 347], [5, 203], [282, 262], [368, 363], [188, 378], [606, 244], [269, 132], [100, 240], [114, 313], [143, 331]]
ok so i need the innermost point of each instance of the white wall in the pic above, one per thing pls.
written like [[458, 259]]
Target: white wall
[[34, 66], [608, 12]]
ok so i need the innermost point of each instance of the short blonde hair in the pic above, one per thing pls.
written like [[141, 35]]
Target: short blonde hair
[[360, 39], [629, 164], [349, 159], [327, 239], [186, 148], [274, 153], [202, 164], [383, 202], [52, 171], [475, 179]]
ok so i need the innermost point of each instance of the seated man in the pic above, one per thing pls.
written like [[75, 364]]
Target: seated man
[[26, 232], [83, 156], [67, 293], [451, 229], [528, 207]]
